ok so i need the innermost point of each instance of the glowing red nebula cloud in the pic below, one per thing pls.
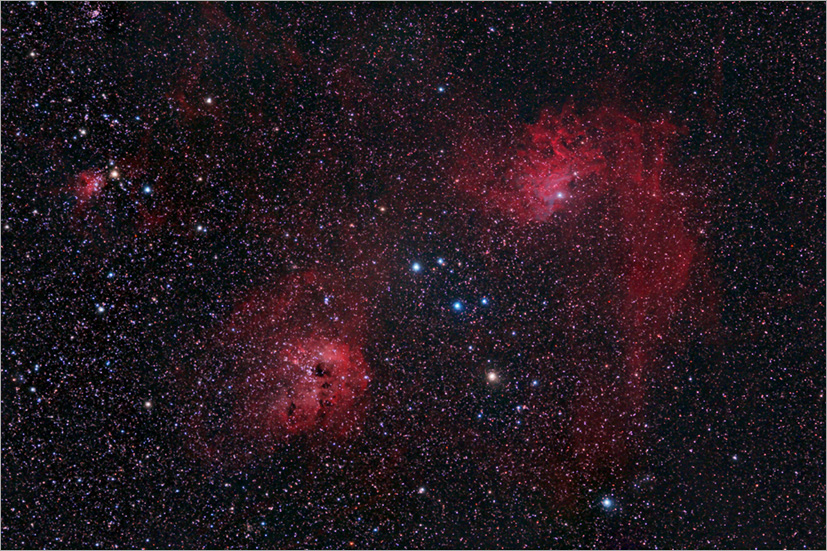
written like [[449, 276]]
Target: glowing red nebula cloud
[[566, 160], [312, 386], [287, 364], [597, 173]]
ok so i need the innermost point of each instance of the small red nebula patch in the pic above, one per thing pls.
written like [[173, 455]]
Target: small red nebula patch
[[88, 185]]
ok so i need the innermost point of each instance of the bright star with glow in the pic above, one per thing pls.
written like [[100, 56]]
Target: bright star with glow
[[416, 267], [458, 306], [607, 503]]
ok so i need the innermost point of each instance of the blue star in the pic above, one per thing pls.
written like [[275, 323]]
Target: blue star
[[416, 267], [608, 503], [458, 306], [484, 301], [147, 190]]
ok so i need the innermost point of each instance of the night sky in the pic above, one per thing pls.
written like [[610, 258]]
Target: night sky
[[432, 275]]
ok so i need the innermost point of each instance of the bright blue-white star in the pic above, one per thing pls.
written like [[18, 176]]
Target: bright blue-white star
[[484, 301], [147, 190], [458, 306], [608, 503], [416, 267], [440, 261]]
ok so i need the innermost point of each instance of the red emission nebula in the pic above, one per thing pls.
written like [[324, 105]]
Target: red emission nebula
[[290, 363], [313, 384], [592, 173]]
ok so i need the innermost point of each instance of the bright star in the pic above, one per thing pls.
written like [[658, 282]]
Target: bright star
[[458, 306], [416, 267], [607, 503]]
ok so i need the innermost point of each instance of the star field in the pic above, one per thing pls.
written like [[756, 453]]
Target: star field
[[334, 275]]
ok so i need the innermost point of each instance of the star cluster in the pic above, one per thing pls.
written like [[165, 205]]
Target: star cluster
[[337, 275]]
